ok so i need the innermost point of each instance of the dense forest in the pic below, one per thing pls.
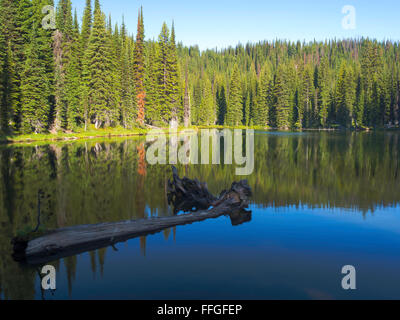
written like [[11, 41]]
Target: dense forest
[[96, 74]]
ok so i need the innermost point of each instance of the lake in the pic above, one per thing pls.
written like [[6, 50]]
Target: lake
[[322, 200]]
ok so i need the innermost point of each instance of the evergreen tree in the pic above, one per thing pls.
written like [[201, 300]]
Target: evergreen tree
[[97, 73], [86, 27], [173, 77], [164, 100], [262, 108], [234, 114], [281, 99], [72, 81], [23, 28], [306, 94], [345, 96], [127, 84], [153, 114], [221, 105], [246, 110], [206, 111], [34, 86], [324, 91], [8, 89], [186, 103], [139, 69]]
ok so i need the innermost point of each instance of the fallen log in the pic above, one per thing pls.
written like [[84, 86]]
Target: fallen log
[[75, 240]]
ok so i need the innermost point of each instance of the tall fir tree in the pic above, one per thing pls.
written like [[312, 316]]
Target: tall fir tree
[[139, 69], [152, 83], [234, 114], [261, 110], [186, 103], [281, 94], [206, 111], [173, 76], [72, 80], [34, 86], [97, 74], [323, 84], [164, 101], [221, 105]]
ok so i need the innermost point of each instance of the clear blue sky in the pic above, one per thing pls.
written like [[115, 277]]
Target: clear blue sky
[[220, 23]]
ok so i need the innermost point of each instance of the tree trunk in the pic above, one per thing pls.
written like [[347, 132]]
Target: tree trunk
[[70, 241]]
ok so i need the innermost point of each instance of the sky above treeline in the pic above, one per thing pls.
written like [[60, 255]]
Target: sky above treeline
[[223, 23]]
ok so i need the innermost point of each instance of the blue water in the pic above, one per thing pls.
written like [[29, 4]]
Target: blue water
[[321, 201]]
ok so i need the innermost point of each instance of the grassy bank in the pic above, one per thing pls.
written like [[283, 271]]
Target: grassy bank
[[93, 133], [80, 134]]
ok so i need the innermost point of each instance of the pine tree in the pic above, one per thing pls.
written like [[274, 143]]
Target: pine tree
[[221, 105], [86, 30], [8, 90], [206, 111], [34, 86], [139, 69], [186, 104], [262, 108], [281, 99], [127, 84], [97, 74], [23, 28], [8, 76], [246, 110], [324, 91], [152, 82], [345, 95], [63, 47], [306, 94], [234, 113], [164, 101], [173, 77], [86, 27], [359, 104], [72, 81]]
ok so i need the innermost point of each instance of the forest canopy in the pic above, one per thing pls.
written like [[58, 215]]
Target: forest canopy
[[96, 73]]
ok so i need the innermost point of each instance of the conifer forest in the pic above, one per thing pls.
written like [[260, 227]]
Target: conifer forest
[[94, 73]]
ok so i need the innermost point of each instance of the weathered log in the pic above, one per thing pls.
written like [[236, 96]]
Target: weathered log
[[70, 241]]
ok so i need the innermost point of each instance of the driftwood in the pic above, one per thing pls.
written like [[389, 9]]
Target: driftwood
[[70, 241], [188, 195]]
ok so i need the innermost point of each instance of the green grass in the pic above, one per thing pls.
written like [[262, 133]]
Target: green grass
[[77, 135], [93, 133]]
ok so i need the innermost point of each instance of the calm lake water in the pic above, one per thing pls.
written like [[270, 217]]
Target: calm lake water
[[321, 201]]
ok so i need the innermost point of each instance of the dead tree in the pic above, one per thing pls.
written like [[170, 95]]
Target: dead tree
[[70, 241]]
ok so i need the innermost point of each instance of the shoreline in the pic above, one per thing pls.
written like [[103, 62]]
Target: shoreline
[[115, 133]]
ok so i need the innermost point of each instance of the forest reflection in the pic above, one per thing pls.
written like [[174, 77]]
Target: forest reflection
[[87, 182]]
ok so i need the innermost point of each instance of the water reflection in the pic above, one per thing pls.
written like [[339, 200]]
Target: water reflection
[[109, 180]]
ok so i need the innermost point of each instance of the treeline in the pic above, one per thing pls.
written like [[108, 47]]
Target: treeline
[[349, 83], [94, 73]]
